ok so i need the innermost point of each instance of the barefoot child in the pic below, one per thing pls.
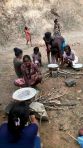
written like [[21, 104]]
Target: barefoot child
[[28, 35], [37, 56]]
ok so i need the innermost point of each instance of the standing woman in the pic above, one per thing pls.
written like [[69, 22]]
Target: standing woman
[[54, 53], [16, 133], [28, 35], [59, 40], [48, 39], [17, 61]]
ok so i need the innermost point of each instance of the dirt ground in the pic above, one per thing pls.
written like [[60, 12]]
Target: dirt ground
[[64, 119]]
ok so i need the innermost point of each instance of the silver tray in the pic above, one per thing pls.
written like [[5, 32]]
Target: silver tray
[[77, 66], [53, 65], [24, 94]]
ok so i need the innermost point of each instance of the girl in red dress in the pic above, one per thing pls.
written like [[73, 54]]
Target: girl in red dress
[[28, 35]]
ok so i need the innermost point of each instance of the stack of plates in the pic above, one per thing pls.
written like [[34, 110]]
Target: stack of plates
[[24, 94]]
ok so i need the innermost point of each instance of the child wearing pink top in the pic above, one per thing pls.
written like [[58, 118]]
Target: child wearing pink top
[[28, 35]]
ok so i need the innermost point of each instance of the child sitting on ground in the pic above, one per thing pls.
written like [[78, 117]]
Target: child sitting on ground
[[68, 56], [37, 56]]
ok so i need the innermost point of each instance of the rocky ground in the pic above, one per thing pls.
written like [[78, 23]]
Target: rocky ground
[[64, 118]]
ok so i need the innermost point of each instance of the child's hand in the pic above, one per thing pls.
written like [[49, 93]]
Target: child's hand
[[33, 119]]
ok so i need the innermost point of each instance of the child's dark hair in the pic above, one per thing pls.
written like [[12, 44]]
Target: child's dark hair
[[67, 47], [26, 28], [48, 35], [36, 49], [17, 51], [56, 20], [26, 56], [17, 119]]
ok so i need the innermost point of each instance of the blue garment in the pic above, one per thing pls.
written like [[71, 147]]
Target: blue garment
[[80, 141], [63, 45], [37, 142], [27, 139]]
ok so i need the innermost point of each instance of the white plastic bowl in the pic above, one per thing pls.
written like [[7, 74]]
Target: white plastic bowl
[[53, 65], [24, 94], [77, 66]]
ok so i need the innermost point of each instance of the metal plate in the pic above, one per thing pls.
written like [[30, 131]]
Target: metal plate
[[53, 65], [24, 94], [78, 66]]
